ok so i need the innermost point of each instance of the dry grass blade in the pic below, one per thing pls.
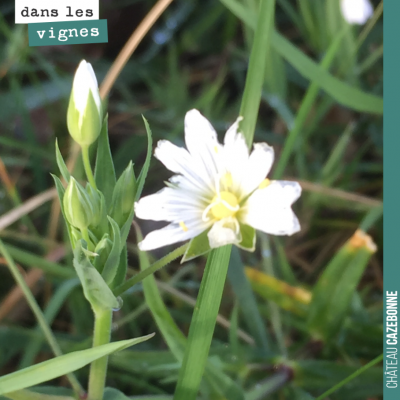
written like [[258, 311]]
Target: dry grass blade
[[340, 194], [15, 214], [131, 45]]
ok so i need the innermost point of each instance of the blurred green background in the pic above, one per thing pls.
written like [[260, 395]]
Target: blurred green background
[[196, 56]]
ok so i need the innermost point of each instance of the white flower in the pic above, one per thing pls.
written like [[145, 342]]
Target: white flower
[[356, 11], [84, 115], [220, 189]]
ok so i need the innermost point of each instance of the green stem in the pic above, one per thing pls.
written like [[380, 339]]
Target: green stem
[[255, 76], [98, 368], [305, 107], [85, 235], [203, 324], [162, 262], [38, 314], [351, 377], [88, 168], [209, 299]]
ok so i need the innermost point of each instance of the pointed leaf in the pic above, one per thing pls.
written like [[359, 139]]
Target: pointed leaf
[[62, 365], [121, 270], [95, 288], [104, 171], [111, 265], [61, 164], [143, 173], [61, 191]]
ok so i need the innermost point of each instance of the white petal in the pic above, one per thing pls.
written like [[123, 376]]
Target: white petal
[[85, 80], [356, 11], [269, 210], [177, 159], [202, 143], [224, 232], [172, 233], [169, 205], [236, 154], [258, 167]]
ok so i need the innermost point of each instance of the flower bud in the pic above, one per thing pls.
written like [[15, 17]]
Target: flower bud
[[124, 195], [84, 116], [356, 11], [77, 207], [103, 250]]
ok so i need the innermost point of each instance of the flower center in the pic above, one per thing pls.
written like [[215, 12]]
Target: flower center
[[226, 205]]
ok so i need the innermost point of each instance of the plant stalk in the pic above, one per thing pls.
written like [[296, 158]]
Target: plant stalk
[[98, 368], [88, 168]]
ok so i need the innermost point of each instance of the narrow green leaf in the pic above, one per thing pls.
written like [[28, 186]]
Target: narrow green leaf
[[62, 365], [29, 395], [113, 394], [61, 164], [145, 169], [335, 288], [60, 192], [121, 270], [269, 386], [51, 311], [35, 261], [111, 265], [257, 67], [104, 170], [95, 288]]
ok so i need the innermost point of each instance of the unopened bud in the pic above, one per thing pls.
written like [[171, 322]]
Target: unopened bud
[[356, 11], [84, 116], [103, 249], [77, 207]]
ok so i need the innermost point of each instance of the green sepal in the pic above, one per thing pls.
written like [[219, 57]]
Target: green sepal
[[104, 171], [248, 242], [94, 287], [111, 265], [198, 246], [85, 128], [60, 192], [61, 164], [99, 225]]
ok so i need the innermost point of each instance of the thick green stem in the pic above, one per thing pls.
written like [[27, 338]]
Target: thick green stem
[[98, 369], [85, 235], [88, 168], [203, 324], [38, 314]]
